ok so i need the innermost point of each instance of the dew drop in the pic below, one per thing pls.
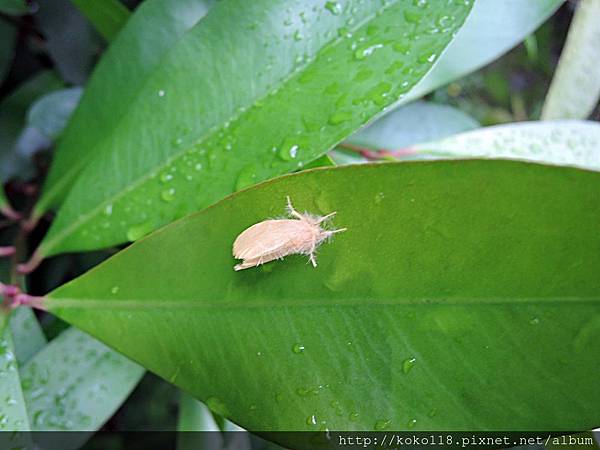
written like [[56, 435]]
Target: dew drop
[[108, 209], [408, 364], [161, 93], [298, 36], [333, 7], [364, 52], [114, 290], [432, 412], [246, 177], [311, 420], [382, 424], [139, 231], [353, 416], [298, 348], [168, 195], [534, 321], [339, 117], [379, 198], [411, 423]]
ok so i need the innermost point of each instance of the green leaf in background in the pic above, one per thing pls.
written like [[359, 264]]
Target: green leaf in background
[[449, 274], [8, 35], [575, 88], [408, 125], [489, 32], [13, 112], [13, 413], [143, 49], [319, 70], [51, 112], [76, 383], [59, 21], [566, 142], [13, 7], [107, 16], [27, 333]]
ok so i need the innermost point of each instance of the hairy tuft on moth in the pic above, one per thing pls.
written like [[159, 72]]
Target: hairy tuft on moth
[[276, 238]]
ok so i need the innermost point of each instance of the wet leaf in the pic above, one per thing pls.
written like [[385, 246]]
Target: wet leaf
[[567, 142], [339, 64], [449, 274], [75, 383], [488, 33]]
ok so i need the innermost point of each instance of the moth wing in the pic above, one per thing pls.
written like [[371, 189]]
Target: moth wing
[[269, 237]]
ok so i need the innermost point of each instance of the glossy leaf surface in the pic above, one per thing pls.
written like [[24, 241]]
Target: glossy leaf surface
[[144, 50], [489, 32], [566, 142], [318, 70], [449, 274]]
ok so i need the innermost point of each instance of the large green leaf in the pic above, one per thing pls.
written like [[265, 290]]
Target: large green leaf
[[463, 295], [575, 88], [268, 86], [14, 7], [107, 16], [27, 333], [489, 32], [130, 61], [565, 142]]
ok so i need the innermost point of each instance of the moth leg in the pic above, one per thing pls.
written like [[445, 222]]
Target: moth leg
[[291, 211], [311, 255]]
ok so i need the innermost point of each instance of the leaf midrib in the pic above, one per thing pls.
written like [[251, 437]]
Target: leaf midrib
[[127, 304]]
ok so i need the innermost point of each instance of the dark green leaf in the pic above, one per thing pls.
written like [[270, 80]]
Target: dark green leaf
[[8, 34], [107, 16], [575, 88], [463, 295], [13, 111], [13, 7], [70, 40], [267, 87]]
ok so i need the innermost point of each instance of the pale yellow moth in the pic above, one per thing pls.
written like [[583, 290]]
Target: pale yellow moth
[[275, 238]]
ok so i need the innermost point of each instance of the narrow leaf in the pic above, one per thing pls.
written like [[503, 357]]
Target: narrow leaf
[[213, 124], [14, 7], [130, 61], [570, 143], [13, 412], [489, 32], [13, 113], [8, 34], [75, 383], [458, 298], [575, 88], [107, 16], [50, 113], [27, 333]]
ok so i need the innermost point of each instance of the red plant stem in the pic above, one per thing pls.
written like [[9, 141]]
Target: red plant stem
[[379, 153]]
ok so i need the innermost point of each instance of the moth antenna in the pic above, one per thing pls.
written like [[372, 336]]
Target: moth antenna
[[291, 211], [339, 230], [324, 218]]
